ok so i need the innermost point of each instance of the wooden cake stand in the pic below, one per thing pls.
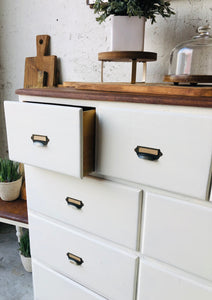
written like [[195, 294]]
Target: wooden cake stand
[[188, 79], [128, 56]]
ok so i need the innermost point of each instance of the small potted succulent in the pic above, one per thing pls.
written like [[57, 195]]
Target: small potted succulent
[[128, 20], [10, 180], [24, 250]]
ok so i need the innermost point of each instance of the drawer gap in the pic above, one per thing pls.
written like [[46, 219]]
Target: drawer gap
[[84, 108]]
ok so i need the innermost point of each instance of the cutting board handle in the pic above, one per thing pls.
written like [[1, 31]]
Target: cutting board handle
[[42, 43]]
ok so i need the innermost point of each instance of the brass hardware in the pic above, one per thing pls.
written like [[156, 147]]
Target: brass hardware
[[148, 153], [77, 203], [41, 139], [76, 259]]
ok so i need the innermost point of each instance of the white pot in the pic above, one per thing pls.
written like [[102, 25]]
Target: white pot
[[10, 191], [27, 264], [127, 33]]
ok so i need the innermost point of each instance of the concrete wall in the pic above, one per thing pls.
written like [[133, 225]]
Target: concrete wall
[[76, 38]]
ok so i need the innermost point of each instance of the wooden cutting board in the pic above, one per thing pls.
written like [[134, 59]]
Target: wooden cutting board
[[41, 71]]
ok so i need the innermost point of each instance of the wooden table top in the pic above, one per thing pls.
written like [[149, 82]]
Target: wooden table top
[[14, 210], [165, 94]]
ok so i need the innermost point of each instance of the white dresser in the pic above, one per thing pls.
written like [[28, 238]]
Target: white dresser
[[118, 192]]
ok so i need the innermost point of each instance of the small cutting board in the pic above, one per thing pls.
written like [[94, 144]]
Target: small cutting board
[[41, 71]]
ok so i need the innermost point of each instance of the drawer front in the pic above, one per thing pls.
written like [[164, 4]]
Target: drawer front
[[49, 285], [178, 233], [163, 284], [127, 136], [94, 205], [107, 271], [48, 136]]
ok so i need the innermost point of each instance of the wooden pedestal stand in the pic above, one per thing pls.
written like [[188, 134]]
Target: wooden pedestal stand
[[128, 56]]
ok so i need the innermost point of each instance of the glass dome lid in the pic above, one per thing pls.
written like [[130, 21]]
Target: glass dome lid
[[191, 61]]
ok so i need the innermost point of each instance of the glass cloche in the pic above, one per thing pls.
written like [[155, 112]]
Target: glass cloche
[[191, 61]]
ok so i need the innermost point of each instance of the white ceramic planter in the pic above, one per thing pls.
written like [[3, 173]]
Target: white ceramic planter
[[27, 264], [10, 191], [127, 33]]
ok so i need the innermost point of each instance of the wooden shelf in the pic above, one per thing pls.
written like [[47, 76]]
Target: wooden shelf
[[14, 211]]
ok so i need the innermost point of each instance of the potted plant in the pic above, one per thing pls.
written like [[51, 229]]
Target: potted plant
[[10, 180], [128, 20], [24, 250]]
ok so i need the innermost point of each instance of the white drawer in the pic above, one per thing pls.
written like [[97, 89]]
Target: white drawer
[[103, 209], [49, 285], [108, 271], [68, 133], [178, 233], [162, 284], [184, 139]]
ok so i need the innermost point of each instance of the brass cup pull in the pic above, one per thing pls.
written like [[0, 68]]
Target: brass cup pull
[[74, 202], [75, 259], [148, 153], [40, 140]]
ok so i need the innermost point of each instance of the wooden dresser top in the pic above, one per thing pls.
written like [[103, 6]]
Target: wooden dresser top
[[199, 96]]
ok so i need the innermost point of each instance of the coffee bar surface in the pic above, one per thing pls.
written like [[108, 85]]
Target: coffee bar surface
[[165, 94]]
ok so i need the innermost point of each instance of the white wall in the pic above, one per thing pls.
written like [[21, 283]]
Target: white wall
[[76, 38]]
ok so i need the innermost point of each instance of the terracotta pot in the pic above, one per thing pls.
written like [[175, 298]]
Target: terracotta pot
[[10, 191], [26, 262], [127, 33]]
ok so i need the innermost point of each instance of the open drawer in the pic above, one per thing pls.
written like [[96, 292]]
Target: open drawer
[[55, 137]]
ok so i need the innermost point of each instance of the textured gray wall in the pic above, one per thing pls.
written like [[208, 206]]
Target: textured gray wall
[[76, 38]]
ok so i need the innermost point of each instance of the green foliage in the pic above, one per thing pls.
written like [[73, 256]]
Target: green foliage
[[141, 8], [25, 244], [9, 170]]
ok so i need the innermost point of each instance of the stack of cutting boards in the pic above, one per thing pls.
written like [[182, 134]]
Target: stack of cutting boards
[[41, 71]]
